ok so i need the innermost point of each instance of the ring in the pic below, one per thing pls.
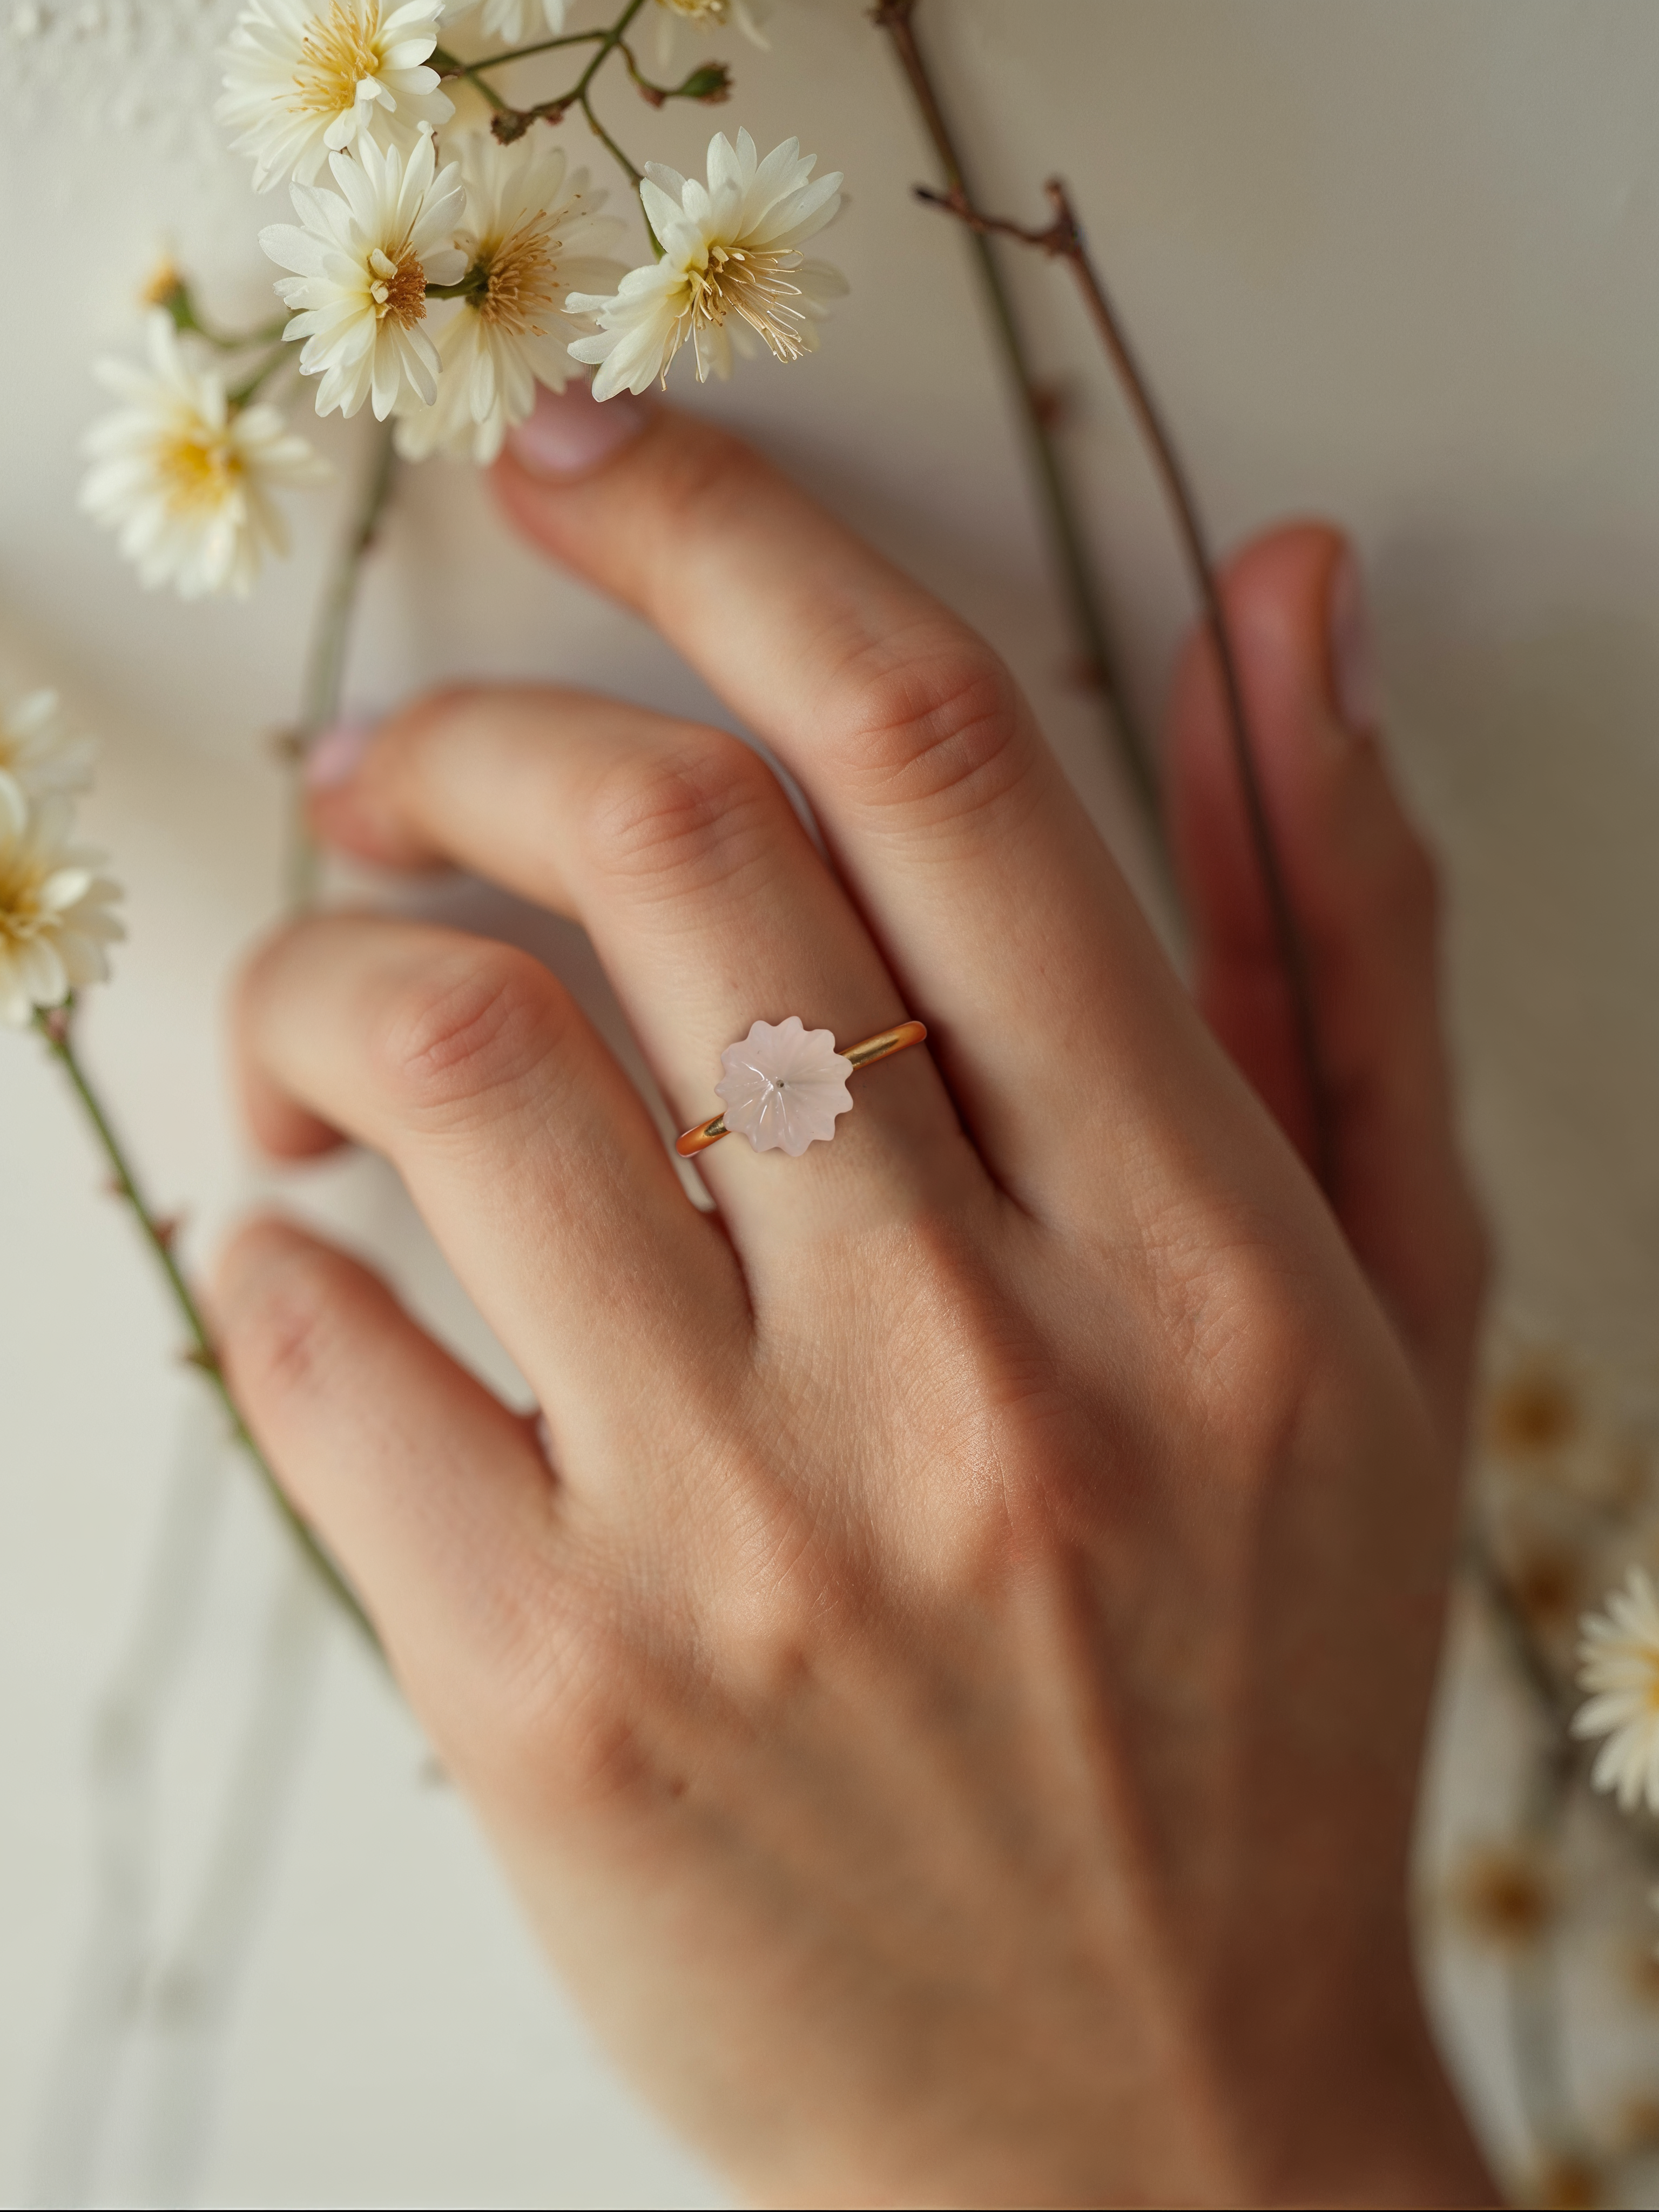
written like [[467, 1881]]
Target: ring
[[785, 1084]]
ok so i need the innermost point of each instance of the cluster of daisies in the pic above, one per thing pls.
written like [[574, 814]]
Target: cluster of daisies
[[436, 276], [56, 921]]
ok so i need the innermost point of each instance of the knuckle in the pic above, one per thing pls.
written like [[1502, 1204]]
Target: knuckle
[[686, 818], [938, 728], [284, 1337], [456, 1042]]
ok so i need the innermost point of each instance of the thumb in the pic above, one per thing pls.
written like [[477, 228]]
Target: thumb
[[1362, 888]]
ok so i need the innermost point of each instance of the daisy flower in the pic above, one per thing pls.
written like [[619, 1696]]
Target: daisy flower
[[515, 21], [37, 755], [704, 16], [55, 919], [533, 233], [306, 78], [1619, 1665], [364, 257], [730, 265], [185, 477]]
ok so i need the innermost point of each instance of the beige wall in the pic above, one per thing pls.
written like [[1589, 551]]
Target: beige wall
[[1389, 259]]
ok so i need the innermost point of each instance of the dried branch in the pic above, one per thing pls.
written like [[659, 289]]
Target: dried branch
[[1062, 240], [1040, 413]]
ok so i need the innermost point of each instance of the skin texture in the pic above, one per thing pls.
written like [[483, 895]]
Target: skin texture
[[950, 1698]]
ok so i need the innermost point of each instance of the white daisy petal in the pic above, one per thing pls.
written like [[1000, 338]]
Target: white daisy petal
[[368, 252], [37, 754], [182, 477], [54, 917], [1619, 1664], [522, 212], [731, 258], [304, 77]]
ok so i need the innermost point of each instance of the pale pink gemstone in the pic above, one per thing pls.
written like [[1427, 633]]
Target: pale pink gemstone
[[784, 1086]]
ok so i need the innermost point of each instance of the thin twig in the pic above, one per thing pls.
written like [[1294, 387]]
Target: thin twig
[[319, 706], [1036, 412], [1062, 240], [57, 1030]]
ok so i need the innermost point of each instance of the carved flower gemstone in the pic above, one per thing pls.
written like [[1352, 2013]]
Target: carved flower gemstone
[[784, 1085]]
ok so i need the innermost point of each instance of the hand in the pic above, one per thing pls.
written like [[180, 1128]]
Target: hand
[[952, 1706]]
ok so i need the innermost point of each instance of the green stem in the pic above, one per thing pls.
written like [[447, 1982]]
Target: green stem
[[284, 357], [325, 668], [635, 177], [454, 71], [180, 304], [606, 42], [56, 1028]]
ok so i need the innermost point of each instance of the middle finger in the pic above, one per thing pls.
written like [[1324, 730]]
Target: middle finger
[[677, 848]]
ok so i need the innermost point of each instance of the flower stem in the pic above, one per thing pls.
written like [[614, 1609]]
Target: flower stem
[[325, 667], [56, 1028], [453, 70], [511, 122], [283, 357]]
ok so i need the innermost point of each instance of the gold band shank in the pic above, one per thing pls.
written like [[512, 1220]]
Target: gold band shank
[[881, 1047]]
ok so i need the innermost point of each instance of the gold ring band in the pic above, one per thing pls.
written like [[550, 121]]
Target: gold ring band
[[881, 1047]]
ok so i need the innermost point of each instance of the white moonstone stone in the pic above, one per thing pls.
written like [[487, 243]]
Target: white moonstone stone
[[784, 1085]]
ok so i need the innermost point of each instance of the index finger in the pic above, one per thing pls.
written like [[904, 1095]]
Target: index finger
[[987, 887]]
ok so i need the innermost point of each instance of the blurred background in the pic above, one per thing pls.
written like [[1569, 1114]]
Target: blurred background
[[1391, 262]]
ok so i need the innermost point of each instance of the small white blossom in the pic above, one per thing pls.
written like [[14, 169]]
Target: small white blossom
[[705, 16], [310, 77], [515, 21], [784, 1085], [532, 233], [364, 257], [37, 754], [55, 921], [185, 478], [1619, 1665], [731, 263]]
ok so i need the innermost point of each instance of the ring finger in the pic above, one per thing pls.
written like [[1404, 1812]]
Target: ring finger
[[677, 848]]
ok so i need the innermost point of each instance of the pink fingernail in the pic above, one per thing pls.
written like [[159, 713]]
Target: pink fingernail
[[1354, 658], [334, 757], [571, 432]]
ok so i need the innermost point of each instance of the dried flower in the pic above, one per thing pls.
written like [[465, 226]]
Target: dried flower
[[784, 1086], [185, 477], [37, 754], [704, 16], [1567, 2181], [310, 77], [364, 257], [1619, 1665], [1504, 1895], [731, 264], [1535, 1411], [55, 920], [532, 234]]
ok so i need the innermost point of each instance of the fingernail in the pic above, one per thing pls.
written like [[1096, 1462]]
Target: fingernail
[[1354, 661], [571, 432], [334, 758]]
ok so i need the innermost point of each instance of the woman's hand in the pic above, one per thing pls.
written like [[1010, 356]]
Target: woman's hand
[[952, 1705]]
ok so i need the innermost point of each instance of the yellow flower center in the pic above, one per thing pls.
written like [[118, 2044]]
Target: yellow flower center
[[522, 284], [705, 14], [21, 913], [399, 289], [755, 285], [199, 470], [337, 53]]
